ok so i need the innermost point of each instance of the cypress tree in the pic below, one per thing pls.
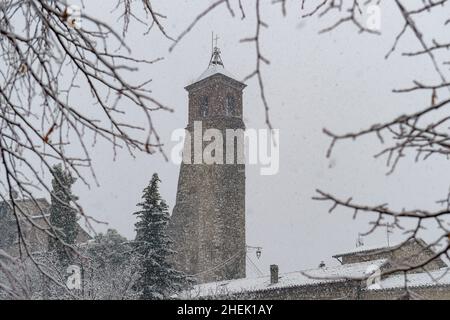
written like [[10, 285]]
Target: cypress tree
[[63, 217]]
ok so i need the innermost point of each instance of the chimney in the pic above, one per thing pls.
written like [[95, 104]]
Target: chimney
[[273, 274]]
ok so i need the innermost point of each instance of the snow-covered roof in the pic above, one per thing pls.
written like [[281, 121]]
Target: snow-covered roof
[[41, 216], [381, 248], [423, 279], [364, 248], [215, 66], [214, 69], [292, 279]]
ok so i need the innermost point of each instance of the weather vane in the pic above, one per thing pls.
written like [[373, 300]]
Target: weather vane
[[216, 39], [215, 51], [389, 230], [359, 241]]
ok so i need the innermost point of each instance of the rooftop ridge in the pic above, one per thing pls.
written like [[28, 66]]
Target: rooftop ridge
[[379, 248]]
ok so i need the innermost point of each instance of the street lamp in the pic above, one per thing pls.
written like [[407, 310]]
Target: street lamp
[[258, 251]]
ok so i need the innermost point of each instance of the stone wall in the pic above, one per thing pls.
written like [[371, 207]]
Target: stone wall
[[345, 290]]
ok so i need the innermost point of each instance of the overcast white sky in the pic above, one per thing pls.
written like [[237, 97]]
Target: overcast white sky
[[340, 81]]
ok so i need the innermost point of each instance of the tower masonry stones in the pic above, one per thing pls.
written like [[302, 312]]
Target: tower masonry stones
[[208, 220]]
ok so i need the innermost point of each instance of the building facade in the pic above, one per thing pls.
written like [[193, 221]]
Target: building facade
[[35, 226], [208, 220], [362, 274]]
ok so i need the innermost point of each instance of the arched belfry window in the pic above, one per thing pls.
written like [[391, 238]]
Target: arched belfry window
[[230, 107], [204, 106]]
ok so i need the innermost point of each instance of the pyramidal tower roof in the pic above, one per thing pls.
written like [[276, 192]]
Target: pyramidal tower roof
[[215, 66]]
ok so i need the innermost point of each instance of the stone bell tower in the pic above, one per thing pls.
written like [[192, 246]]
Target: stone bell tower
[[208, 220]]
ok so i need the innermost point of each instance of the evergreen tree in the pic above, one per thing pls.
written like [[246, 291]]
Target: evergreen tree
[[63, 217], [158, 278]]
